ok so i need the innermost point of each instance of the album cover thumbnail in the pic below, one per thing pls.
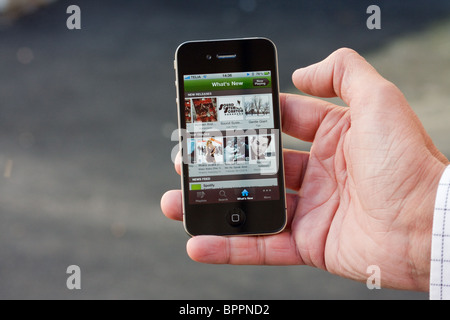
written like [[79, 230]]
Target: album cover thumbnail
[[187, 110], [209, 150], [205, 109], [230, 108], [236, 149], [257, 106]]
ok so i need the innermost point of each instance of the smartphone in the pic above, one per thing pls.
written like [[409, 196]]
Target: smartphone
[[230, 137]]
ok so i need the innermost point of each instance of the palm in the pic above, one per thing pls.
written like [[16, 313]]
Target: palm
[[353, 194]]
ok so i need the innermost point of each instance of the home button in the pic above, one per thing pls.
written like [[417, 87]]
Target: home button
[[236, 217]]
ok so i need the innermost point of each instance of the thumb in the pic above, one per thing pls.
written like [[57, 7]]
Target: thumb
[[347, 75]]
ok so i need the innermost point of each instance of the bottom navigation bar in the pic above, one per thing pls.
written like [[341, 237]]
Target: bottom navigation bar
[[234, 194]]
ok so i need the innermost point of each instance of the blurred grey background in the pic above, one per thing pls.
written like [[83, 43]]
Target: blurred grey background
[[86, 118]]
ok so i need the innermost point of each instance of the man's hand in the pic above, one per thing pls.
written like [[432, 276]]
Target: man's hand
[[365, 191]]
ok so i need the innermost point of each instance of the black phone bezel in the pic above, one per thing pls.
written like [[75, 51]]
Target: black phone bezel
[[250, 54]]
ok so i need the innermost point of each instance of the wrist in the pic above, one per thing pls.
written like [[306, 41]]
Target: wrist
[[421, 223]]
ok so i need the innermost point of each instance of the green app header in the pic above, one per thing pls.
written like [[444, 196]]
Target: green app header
[[202, 83]]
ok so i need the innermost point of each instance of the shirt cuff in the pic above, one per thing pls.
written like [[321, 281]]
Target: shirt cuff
[[440, 242]]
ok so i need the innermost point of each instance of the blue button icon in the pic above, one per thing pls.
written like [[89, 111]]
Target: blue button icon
[[244, 193]]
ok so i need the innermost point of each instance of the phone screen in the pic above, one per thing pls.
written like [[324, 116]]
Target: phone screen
[[231, 140]]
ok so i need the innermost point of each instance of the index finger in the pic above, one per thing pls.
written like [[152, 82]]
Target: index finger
[[278, 249], [177, 163], [301, 116]]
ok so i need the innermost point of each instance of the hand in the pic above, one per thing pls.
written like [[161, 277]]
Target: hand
[[365, 191]]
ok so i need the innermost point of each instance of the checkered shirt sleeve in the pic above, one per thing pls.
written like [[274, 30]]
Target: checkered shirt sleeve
[[440, 244]]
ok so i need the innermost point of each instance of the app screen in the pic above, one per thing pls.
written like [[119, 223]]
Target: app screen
[[231, 144]]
